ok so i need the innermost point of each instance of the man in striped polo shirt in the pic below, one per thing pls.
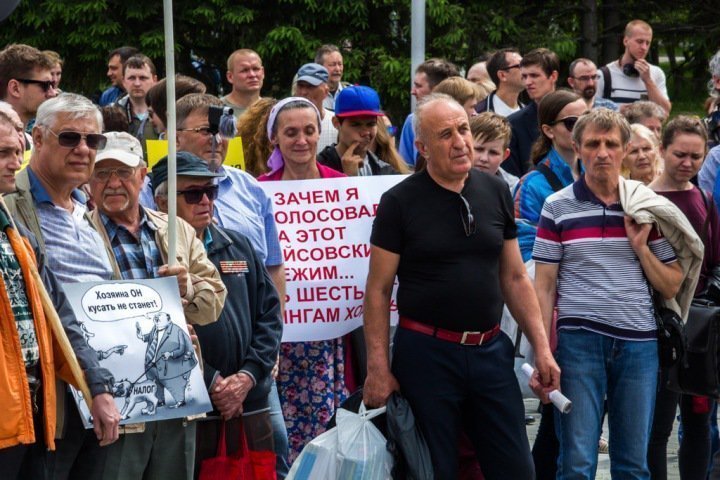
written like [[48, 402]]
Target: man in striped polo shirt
[[593, 265]]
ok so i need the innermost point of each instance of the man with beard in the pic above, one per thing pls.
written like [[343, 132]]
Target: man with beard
[[582, 78]]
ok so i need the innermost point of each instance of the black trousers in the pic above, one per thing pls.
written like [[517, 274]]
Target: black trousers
[[694, 457], [447, 383], [27, 462], [78, 454]]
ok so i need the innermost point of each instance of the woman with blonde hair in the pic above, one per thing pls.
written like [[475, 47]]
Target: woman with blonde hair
[[642, 160], [252, 128], [465, 92]]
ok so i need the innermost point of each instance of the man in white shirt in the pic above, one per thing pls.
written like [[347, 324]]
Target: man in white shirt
[[632, 78]]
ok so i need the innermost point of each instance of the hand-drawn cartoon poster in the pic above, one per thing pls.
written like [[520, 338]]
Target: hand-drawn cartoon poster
[[138, 329]]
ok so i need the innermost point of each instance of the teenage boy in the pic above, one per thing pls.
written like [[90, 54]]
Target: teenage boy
[[357, 109]]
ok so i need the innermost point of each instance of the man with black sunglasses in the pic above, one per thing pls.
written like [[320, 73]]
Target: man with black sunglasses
[[25, 80], [448, 235], [138, 238], [48, 202], [239, 349], [503, 68]]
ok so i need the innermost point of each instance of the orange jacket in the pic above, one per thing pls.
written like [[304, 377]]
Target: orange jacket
[[16, 420]]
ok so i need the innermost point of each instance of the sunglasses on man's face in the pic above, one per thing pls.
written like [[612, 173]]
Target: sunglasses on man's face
[[194, 196], [70, 139], [569, 122], [46, 85]]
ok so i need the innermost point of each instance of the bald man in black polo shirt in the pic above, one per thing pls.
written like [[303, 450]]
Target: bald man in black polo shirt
[[449, 236]]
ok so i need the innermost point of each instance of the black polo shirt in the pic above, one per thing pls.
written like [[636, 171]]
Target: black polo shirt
[[446, 278]]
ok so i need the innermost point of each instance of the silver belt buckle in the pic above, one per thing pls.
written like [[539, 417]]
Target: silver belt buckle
[[465, 335]]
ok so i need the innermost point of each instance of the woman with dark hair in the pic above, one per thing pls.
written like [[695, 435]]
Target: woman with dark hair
[[556, 165], [313, 375], [684, 145], [156, 99]]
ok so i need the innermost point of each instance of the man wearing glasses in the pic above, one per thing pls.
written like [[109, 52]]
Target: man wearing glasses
[[138, 238], [239, 349], [504, 70], [582, 78], [539, 70], [48, 202], [25, 80], [449, 236]]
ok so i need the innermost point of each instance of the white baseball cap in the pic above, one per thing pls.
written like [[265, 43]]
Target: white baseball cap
[[123, 147]]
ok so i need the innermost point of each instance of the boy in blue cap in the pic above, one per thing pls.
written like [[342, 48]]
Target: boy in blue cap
[[357, 109]]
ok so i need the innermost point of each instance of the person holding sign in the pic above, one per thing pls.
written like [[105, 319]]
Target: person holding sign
[[240, 349], [448, 235], [294, 129], [28, 403], [47, 201], [138, 238]]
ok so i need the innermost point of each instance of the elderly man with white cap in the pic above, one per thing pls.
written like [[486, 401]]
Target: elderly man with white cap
[[138, 238]]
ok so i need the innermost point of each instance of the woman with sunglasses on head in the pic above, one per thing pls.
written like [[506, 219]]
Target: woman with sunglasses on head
[[556, 165], [312, 377], [642, 162], [683, 149]]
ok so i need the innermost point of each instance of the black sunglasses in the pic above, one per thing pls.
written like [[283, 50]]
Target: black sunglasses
[[46, 85], [510, 67], [195, 195], [70, 139], [468, 219], [569, 122]]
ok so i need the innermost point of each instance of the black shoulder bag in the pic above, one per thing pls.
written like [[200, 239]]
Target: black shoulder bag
[[671, 338], [697, 374]]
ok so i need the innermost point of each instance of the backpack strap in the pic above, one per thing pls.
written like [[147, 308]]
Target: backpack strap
[[550, 176], [607, 82]]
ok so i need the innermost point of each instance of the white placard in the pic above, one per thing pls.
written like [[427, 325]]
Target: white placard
[[138, 330], [324, 227]]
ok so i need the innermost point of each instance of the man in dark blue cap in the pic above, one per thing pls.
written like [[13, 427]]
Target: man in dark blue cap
[[357, 109], [239, 350]]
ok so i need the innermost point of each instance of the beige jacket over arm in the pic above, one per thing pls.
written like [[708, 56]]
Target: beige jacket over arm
[[645, 206]]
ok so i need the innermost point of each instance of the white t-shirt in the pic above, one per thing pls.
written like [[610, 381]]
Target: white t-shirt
[[502, 108], [630, 89], [328, 132]]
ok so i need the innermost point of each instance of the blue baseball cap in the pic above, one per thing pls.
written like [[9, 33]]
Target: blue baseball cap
[[313, 73], [356, 101]]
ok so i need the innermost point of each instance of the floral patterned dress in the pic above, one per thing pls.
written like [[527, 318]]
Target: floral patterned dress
[[311, 384]]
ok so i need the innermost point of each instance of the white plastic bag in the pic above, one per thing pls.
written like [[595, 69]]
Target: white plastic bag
[[353, 450], [362, 449], [318, 460]]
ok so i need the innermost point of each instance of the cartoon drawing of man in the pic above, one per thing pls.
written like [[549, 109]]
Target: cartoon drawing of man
[[169, 358]]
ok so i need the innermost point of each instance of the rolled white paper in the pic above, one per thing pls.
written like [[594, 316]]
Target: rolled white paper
[[560, 401]]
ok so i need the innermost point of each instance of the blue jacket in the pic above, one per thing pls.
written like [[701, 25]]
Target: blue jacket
[[407, 141], [530, 195]]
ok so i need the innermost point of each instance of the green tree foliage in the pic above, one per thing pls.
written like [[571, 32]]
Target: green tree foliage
[[374, 35]]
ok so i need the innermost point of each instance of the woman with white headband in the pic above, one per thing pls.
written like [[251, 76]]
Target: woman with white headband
[[312, 377], [294, 129]]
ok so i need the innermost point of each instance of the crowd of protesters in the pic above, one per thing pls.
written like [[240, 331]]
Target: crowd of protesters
[[508, 170]]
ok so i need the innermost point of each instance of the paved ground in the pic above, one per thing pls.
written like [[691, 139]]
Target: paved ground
[[603, 472]]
